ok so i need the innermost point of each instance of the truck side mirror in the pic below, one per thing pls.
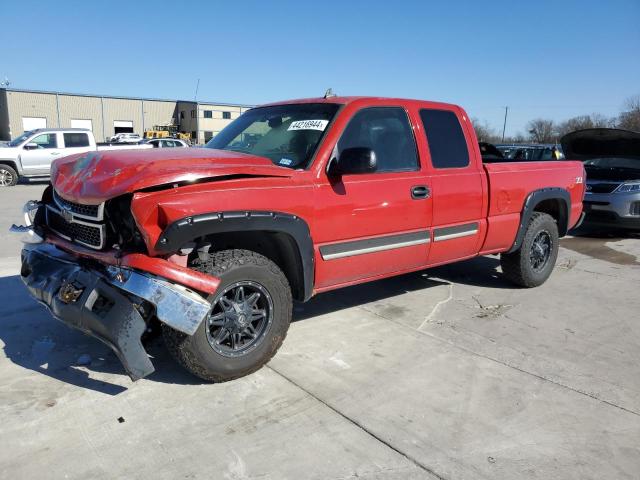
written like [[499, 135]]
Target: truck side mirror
[[353, 161], [31, 146]]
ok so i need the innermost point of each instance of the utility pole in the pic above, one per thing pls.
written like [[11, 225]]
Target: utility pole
[[504, 126], [195, 97]]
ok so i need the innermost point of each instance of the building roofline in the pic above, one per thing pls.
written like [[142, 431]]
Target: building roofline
[[122, 97]]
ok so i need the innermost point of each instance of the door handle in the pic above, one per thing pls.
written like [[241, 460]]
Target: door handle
[[55, 153], [420, 192]]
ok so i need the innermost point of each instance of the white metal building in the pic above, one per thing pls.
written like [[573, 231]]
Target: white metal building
[[23, 110]]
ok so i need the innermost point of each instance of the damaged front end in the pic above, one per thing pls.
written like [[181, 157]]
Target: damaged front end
[[113, 304]]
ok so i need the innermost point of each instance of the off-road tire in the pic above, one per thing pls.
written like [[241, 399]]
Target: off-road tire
[[9, 171], [517, 266], [196, 354]]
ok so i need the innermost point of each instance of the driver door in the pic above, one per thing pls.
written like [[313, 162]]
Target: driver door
[[373, 224], [38, 153]]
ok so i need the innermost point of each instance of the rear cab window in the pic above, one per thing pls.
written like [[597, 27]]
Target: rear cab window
[[75, 140], [445, 137]]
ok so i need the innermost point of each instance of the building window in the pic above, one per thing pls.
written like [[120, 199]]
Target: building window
[[208, 114], [226, 115], [193, 114], [194, 136], [207, 135], [182, 115]]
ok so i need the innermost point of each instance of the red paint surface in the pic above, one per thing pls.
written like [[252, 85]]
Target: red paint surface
[[355, 207], [94, 177]]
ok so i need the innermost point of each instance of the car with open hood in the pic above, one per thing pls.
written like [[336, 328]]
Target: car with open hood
[[611, 158]]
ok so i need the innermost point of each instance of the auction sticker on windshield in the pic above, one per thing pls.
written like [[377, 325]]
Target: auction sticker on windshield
[[308, 125]]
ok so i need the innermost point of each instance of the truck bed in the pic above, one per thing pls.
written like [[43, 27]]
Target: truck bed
[[509, 184]]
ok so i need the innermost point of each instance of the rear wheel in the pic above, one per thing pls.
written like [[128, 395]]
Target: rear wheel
[[250, 316], [533, 263], [8, 176]]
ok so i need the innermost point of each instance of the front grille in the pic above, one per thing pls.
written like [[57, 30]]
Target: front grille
[[91, 212], [85, 233], [635, 208], [602, 187]]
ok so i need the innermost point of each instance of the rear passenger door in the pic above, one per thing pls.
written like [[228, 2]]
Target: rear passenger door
[[457, 186], [370, 224]]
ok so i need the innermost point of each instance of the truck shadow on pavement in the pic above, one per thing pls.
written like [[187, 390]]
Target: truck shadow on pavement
[[36, 341], [480, 271]]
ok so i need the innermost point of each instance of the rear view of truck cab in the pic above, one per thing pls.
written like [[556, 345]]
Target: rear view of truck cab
[[290, 200]]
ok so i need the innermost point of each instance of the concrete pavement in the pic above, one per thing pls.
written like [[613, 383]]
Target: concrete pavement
[[450, 373]]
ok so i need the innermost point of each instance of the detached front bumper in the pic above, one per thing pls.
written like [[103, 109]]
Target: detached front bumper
[[108, 302]]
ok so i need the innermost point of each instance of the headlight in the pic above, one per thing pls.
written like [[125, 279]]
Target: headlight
[[628, 187]]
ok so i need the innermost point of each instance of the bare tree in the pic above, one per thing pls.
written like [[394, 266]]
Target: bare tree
[[541, 131], [629, 119], [484, 132], [595, 120]]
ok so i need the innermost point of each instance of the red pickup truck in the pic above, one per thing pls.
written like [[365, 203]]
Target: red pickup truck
[[290, 200]]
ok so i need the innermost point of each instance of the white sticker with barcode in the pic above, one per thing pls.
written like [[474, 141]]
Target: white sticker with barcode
[[308, 125]]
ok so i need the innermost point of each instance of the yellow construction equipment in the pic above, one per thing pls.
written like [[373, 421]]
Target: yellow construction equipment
[[166, 131]]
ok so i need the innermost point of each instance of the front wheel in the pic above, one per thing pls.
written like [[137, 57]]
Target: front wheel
[[533, 262], [8, 176], [250, 316]]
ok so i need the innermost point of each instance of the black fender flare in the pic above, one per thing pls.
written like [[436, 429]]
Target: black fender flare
[[530, 204], [188, 229]]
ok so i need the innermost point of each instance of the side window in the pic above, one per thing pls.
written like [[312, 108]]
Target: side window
[[46, 140], [387, 132], [72, 140], [446, 140]]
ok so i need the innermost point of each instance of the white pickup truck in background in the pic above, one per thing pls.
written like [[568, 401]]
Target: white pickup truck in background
[[31, 154]]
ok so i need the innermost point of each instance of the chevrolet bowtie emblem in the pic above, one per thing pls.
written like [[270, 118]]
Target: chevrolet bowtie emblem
[[67, 214]]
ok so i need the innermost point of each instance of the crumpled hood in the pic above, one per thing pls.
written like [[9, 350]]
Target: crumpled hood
[[601, 143], [94, 177]]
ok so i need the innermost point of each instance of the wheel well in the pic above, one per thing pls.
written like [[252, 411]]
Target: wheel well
[[10, 163], [278, 247], [557, 208]]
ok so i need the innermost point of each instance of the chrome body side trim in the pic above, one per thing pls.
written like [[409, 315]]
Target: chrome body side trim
[[449, 233], [372, 245]]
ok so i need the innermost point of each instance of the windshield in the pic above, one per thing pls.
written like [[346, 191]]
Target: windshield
[[288, 135], [17, 141], [613, 162]]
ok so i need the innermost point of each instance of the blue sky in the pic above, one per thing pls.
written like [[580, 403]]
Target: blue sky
[[551, 59]]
